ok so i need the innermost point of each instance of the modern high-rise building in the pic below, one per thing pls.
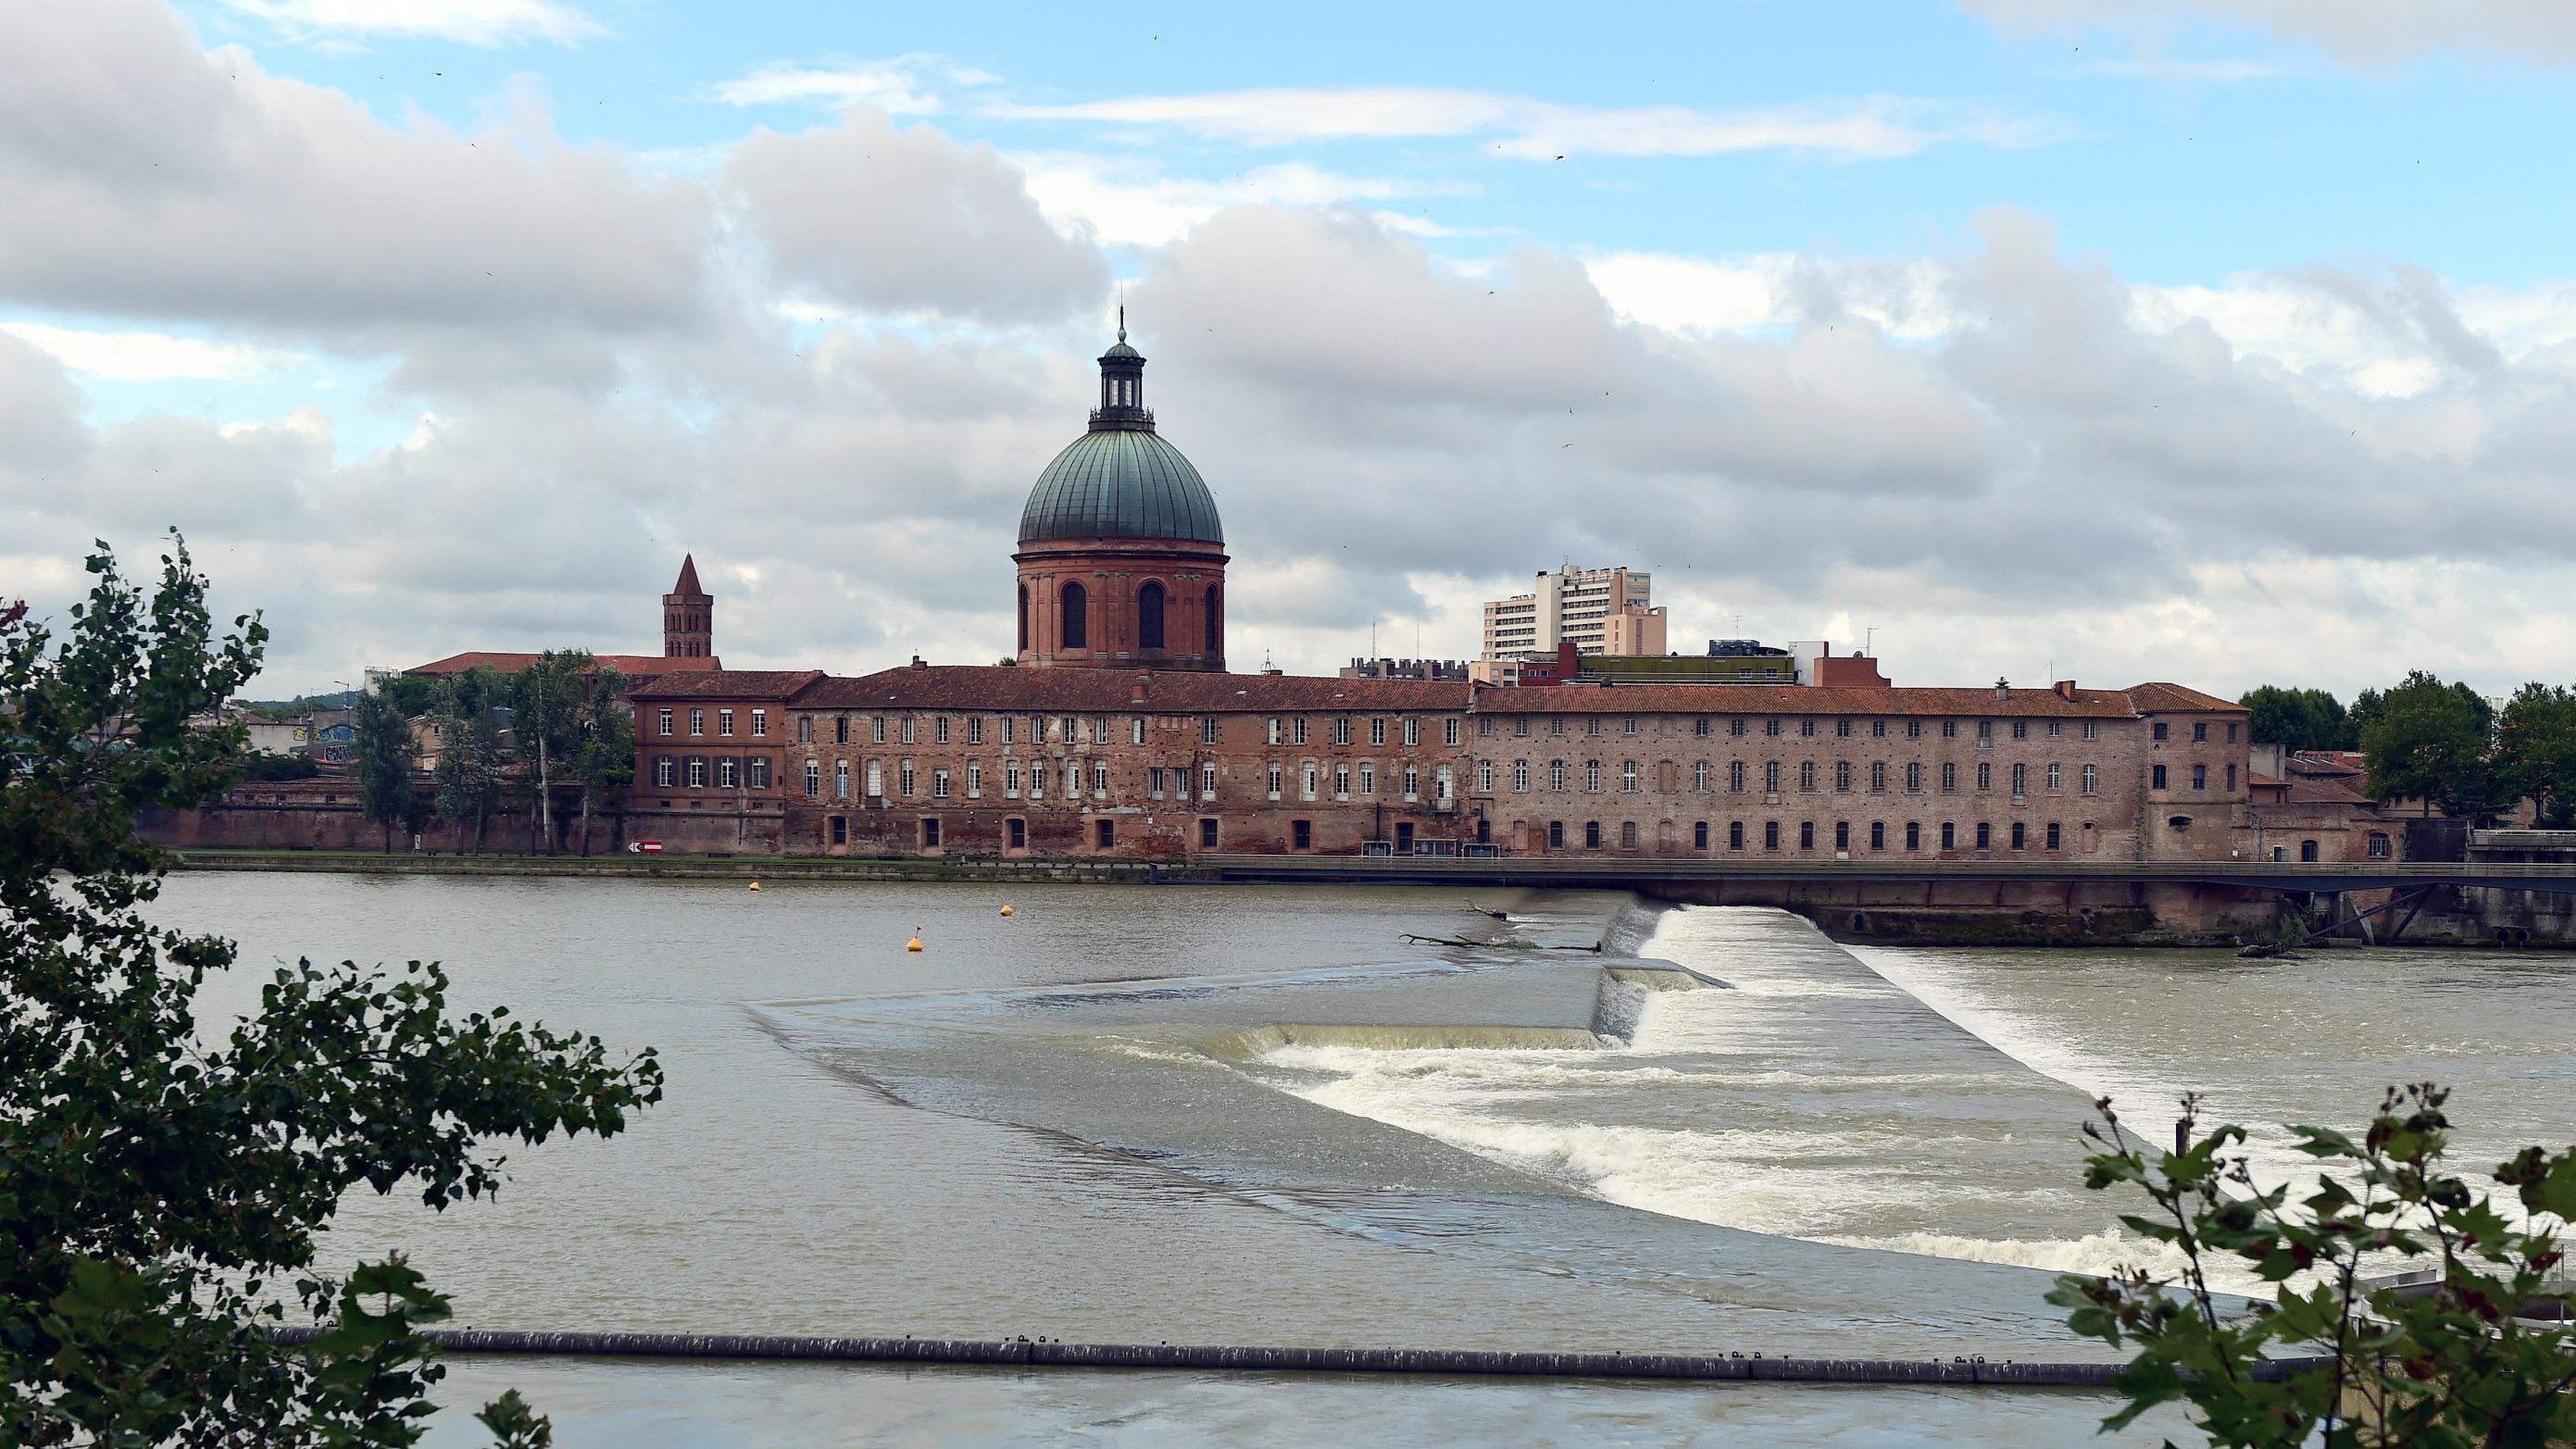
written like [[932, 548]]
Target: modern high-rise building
[[1578, 605]]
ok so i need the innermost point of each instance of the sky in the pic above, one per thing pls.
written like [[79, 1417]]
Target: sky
[[2219, 343]]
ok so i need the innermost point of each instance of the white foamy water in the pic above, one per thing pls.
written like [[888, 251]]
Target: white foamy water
[[1816, 1099]]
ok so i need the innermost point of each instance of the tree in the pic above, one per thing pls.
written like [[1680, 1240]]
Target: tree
[[468, 774], [605, 757], [2366, 709], [546, 711], [162, 1188], [2432, 740], [2466, 1361], [2536, 751], [384, 765], [279, 767], [2298, 719]]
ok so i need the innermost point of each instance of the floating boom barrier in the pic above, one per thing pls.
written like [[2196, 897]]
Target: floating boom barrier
[[1964, 1371]]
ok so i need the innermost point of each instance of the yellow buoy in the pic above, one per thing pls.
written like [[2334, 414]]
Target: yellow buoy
[[1006, 910], [755, 885], [913, 945]]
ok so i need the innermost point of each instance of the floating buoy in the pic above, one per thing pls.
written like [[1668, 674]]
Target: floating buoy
[[1006, 910], [755, 885], [913, 945]]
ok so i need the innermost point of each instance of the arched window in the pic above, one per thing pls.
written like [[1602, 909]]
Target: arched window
[[1215, 628], [1149, 616], [1077, 617], [1024, 618]]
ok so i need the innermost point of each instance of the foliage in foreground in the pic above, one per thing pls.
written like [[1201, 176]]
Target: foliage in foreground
[[2447, 1367], [162, 1188]]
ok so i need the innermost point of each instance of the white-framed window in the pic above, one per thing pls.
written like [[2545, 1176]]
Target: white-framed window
[[1949, 778], [1735, 775], [876, 779], [1842, 775], [1412, 731], [724, 724], [1136, 730], [1442, 786], [1520, 777], [1878, 776], [805, 729], [1412, 781], [1449, 731], [939, 782], [1010, 775], [666, 719], [2021, 779], [1628, 777], [1099, 777], [2092, 729], [1484, 777], [1770, 777], [1100, 729], [666, 771], [1807, 775], [840, 779], [1073, 779], [1154, 782], [1985, 776], [939, 730], [1368, 777], [907, 724], [1377, 729], [1068, 730], [1010, 730], [728, 773], [974, 779], [905, 778], [697, 722], [1342, 730], [1342, 781], [697, 772], [1207, 780], [2056, 776], [2092, 779], [760, 772], [974, 729], [1274, 778], [1914, 777], [2055, 729], [760, 724], [1207, 729], [1308, 777], [876, 723], [1592, 776], [1297, 730], [1274, 729], [813, 778]]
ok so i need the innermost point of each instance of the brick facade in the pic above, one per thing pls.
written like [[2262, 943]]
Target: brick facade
[[1001, 761]]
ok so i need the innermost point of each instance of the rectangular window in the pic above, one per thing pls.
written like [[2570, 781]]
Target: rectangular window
[[1412, 781], [1985, 732], [1985, 836], [1100, 729], [877, 724], [1341, 782], [1842, 729], [1207, 780], [1878, 777], [724, 724], [876, 779], [1628, 777], [1484, 777], [2159, 730], [1949, 778], [1735, 835], [1520, 728], [728, 773], [1274, 731], [1068, 730], [1412, 732], [697, 722], [939, 782], [1949, 729], [2092, 779], [2021, 780], [1136, 730], [1297, 730], [666, 720], [1770, 835], [1010, 729], [2055, 729], [1154, 782], [1628, 726], [1207, 735], [1484, 729], [1377, 730], [805, 729], [1914, 777], [1913, 835], [666, 772], [813, 778], [1556, 774], [1592, 776], [2016, 835], [2200, 733], [1806, 835], [939, 730], [1806, 774], [904, 774], [1011, 778], [2231, 734], [1301, 834], [1342, 730], [975, 729], [1843, 774], [1914, 729], [1735, 777], [1949, 836], [2021, 729], [2056, 776], [841, 780], [1699, 778], [759, 724], [1699, 727], [1207, 835], [1018, 835], [1520, 776], [929, 834], [1985, 776], [1306, 780], [2231, 779], [760, 772], [2156, 779], [2052, 835], [1806, 729], [1449, 732], [1099, 778], [1073, 779], [1274, 779], [2200, 777], [1842, 835], [2092, 729], [697, 772], [907, 729]]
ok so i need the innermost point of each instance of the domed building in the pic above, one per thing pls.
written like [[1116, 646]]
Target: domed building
[[1121, 558]]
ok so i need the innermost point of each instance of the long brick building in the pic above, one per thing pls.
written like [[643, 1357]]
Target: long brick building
[[1118, 732]]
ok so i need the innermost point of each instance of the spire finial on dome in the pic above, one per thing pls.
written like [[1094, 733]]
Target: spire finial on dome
[[1122, 321]]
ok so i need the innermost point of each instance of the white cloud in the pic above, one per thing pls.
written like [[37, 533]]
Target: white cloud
[[1132, 201], [2374, 32], [486, 23], [1870, 127], [150, 356], [894, 86]]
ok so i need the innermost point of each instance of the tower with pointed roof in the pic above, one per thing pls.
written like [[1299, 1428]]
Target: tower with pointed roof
[[688, 616], [1121, 557]]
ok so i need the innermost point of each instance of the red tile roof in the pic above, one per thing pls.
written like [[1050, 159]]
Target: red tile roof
[[2161, 698], [767, 684], [687, 587], [633, 666], [1806, 699]]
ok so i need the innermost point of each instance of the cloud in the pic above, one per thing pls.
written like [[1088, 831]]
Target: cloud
[[866, 215], [1132, 201], [149, 356], [147, 177], [2368, 32], [1871, 127], [896, 87], [486, 23]]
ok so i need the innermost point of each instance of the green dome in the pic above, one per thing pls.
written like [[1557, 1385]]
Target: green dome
[[1120, 482]]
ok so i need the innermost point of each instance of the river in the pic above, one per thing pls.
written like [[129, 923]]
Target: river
[[1256, 1115]]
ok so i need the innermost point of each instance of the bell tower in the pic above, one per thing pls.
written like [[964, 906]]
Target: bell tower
[[688, 616]]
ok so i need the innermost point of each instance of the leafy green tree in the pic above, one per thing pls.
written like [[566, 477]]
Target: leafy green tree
[[2366, 709], [2536, 751], [412, 695], [2433, 741], [546, 710], [2298, 719], [279, 767], [162, 1188], [384, 764], [605, 758], [468, 774], [2472, 1358]]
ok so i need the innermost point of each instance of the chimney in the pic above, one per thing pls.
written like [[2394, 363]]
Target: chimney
[[1143, 685], [2065, 690], [917, 662], [2002, 690]]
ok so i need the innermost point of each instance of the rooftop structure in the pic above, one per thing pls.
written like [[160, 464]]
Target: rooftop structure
[[1569, 604]]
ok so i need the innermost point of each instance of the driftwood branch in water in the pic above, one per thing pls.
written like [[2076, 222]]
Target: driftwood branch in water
[[1497, 915], [1511, 945]]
